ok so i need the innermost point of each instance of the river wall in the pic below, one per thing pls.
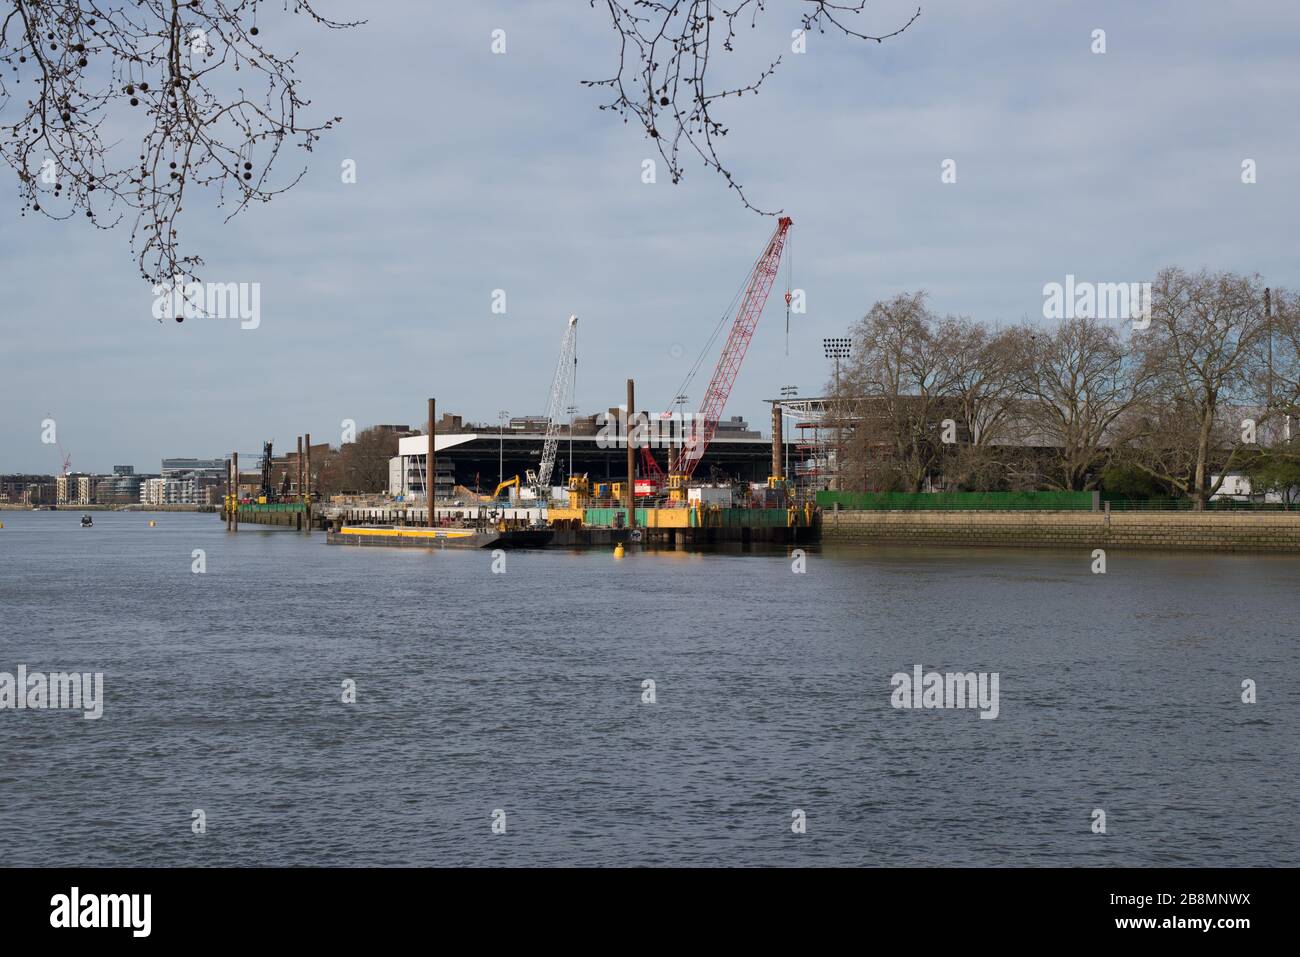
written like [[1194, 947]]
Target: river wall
[[1210, 531]]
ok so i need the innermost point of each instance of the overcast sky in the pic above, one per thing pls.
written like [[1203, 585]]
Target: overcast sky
[[479, 172]]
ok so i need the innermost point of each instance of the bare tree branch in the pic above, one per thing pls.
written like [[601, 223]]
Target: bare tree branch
[[218, 107], [665, 48]]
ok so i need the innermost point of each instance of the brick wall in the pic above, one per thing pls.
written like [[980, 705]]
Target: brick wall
[[1218, 531]]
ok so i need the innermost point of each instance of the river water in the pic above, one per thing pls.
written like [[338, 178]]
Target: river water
[[516, 697]]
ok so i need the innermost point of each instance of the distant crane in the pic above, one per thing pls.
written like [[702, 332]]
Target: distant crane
[[65, 459], [756, 290], [566, 371]]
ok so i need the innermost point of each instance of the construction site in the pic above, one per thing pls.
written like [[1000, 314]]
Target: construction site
[[627, 477]]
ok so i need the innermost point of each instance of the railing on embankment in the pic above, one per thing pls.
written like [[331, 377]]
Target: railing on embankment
[[958, 522], [961, 501]]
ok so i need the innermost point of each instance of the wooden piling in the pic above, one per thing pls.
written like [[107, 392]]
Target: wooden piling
[[234, 459], [306, 498], [631, 459], [229, 501], [430, 471]]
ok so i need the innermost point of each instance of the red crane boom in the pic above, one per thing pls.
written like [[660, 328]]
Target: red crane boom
[[757, 290]]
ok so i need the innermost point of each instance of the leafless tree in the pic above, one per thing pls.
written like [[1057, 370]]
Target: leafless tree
[[985, 374], [1159, 437], [1207, 350], [1079, 381], [1210, 386], [1284, 366], [360, 466], [986, 371], [665, 48], [212, 105], [897, 389]]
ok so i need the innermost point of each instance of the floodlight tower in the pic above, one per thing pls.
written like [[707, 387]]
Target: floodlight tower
[[838, 348]]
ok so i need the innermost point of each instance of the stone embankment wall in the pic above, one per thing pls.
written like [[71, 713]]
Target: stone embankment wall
[[1214, 531]]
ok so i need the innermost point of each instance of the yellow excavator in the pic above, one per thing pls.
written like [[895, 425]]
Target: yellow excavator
[[505, 485]]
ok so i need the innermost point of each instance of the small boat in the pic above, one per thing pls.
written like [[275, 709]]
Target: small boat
[[87, 521]]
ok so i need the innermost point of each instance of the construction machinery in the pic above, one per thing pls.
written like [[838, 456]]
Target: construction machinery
[[572, 514], [508, 483], [566, 371], [267, 491], [696, 440], [579, 491]]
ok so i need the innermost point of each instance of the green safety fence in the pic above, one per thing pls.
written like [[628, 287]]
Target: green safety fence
[[274, 507], [1029, 501], [984, 501], [1187, 505], [750, 518], [605, 517]]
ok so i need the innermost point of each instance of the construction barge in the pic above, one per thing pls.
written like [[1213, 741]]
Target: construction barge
[[594, 527], [675, 509], [564, 527], [585, 515], [453, 537], [651, 506]]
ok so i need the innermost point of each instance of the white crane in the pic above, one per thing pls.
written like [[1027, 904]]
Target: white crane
[[566, 371]]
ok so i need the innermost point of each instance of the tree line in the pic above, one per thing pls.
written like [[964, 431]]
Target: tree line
[[1205, 383], [357, 467]]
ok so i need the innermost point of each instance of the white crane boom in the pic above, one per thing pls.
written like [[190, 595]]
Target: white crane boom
[[565, 370]]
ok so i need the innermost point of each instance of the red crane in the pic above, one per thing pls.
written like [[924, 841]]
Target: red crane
[[65, 459], [757, 289]]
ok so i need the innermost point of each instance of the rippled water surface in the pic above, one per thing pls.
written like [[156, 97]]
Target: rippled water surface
[[522, 692]]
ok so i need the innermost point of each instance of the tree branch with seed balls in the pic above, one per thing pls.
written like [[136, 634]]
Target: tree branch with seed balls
[[216, 105], [665, 48]]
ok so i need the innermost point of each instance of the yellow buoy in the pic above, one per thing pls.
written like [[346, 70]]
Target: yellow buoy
[[618, 550], [152, 523]]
